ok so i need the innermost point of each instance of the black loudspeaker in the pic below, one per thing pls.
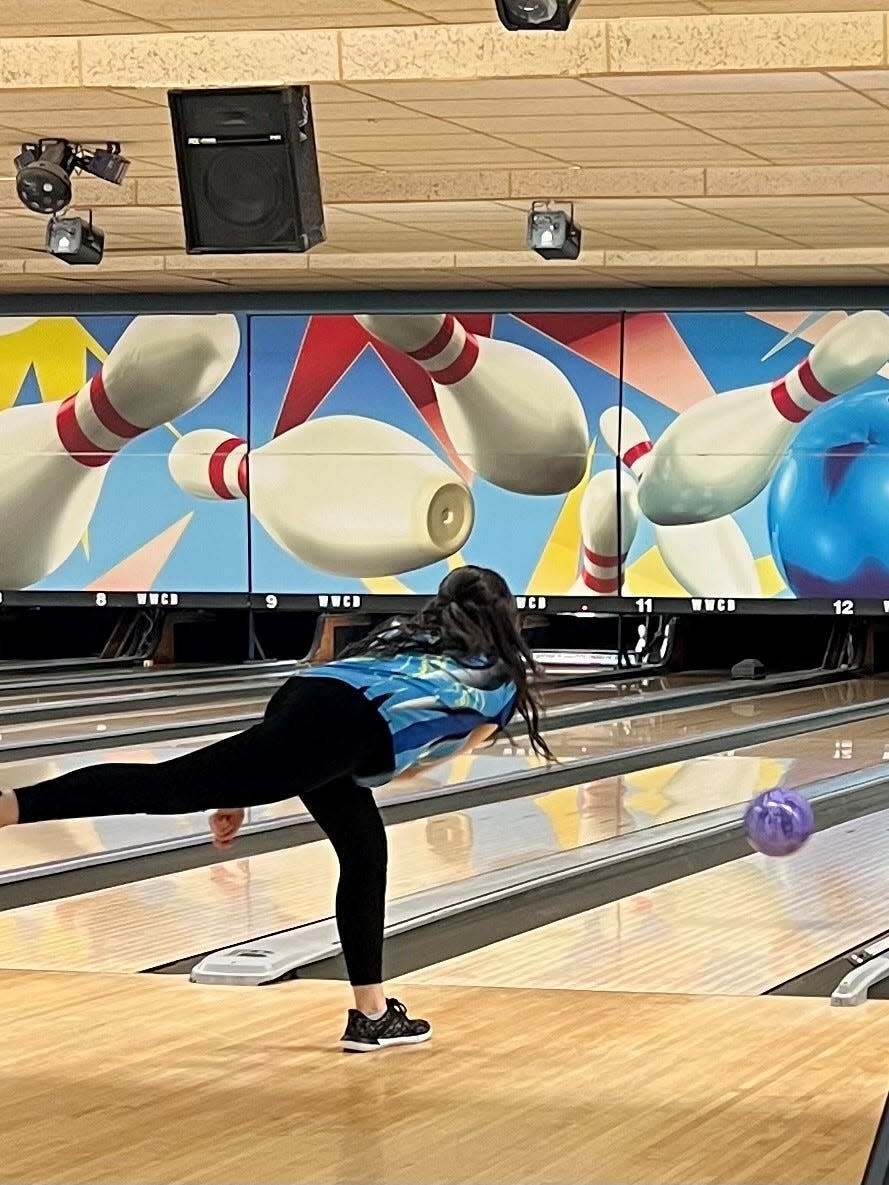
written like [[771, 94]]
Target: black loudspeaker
[[248, 170], [748, 668]]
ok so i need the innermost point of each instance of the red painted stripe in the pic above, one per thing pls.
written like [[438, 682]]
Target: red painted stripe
[[460, 367], [600, 586], [462, 364], [602, 561], [107, 414], [784, 402], [810, 384], [438, 343], [216, 468], [792, 412], [632, 455], [74, 441], [243, 476]]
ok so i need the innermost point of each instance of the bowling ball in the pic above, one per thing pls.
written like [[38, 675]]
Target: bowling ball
[[778, 822], [828, 506]]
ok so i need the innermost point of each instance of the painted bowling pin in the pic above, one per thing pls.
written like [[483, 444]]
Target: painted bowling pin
[[10, 325], [344, 494], [54, 456], [512, 416], [605, 543], [710, 559], [719, 454]]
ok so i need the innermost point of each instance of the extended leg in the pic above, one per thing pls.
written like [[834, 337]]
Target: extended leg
[[313, 732]]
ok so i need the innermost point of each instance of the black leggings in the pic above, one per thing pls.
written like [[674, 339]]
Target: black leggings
[[316, 736]]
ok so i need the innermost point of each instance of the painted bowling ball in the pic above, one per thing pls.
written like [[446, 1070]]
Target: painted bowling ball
[[778, 822], [829, 501]]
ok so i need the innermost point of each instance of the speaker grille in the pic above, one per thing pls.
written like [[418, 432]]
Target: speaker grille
[[248, 170]]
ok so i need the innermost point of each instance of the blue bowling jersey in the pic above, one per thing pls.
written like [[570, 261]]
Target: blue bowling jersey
[[430, 702]]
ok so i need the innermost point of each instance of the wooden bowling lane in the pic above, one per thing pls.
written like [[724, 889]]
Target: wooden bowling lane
[[569, 695], [577, 741], [134, 1079], [741, 928], [586, 813], [93, 728], [144, 683], [136, 926], [51, 844]]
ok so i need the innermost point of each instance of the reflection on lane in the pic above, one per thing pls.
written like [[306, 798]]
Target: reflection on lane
[[740, 928], [139, 925], [252, 703], [95, 726], [166, 918], [568, 695], [123, 693], [547, 822]]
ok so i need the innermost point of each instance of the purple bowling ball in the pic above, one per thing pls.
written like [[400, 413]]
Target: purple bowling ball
[[778, 822]]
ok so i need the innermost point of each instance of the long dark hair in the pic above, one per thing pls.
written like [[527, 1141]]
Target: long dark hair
[[472, 616]]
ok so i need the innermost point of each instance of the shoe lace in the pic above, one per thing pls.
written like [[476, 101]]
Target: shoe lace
[[397, 1006]]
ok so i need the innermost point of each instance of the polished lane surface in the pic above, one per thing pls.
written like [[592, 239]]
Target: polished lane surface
[[581, 740], [133, 927], [51, 843], [258, 688]]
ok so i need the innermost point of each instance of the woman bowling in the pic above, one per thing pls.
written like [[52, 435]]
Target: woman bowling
[[411, 694]]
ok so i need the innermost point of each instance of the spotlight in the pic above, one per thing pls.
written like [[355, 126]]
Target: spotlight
[[43, 175], [106, 163], [536, 14], [44, 169], [553, 234], [74, 241]]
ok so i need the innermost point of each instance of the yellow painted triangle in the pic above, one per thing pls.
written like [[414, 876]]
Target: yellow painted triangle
[[56, 348], [85, 543], [559, 561], [769, 577]]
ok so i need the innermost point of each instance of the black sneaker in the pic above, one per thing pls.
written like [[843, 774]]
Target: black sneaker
[[364, 1035]]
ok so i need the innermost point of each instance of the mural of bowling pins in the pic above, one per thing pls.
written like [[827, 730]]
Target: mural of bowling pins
[[711, 559], [605, 544], [345, 494], [54, 456], [720, 453], [512, 416]]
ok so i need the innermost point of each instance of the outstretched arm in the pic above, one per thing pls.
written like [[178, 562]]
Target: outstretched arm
[[225, 824]]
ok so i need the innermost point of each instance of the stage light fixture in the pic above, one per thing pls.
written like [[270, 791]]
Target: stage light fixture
[[75, 241], [553, 233], [536, 14], [44, 170], [43, 176]]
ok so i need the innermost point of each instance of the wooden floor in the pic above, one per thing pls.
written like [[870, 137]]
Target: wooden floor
[[739, 928], [145, 1079], [631, 1072]]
